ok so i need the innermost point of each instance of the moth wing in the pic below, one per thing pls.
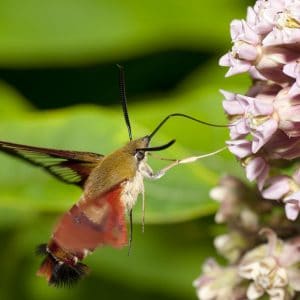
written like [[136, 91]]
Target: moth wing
[[93, 223], [68, 166]]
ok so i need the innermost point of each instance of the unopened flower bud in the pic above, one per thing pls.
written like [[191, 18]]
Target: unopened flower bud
[[218, 283], [231, 245]]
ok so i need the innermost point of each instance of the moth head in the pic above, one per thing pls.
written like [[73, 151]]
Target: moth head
[[139, 147]]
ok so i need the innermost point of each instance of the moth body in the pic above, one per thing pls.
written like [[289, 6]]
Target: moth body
[[98, 218]]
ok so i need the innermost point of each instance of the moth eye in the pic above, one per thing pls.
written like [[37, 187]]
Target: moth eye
[[140, 155]]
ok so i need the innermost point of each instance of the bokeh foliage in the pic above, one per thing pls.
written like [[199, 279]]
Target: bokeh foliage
[[165, 259]]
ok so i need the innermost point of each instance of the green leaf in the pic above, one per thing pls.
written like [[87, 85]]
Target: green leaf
[[181, 195], [64, 32], [12, 104]]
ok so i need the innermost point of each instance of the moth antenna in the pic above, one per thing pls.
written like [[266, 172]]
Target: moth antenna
[[184, 116], [124, 99], [157, 148], [130, 231]]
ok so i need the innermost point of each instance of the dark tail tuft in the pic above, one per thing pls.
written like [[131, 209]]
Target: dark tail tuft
[[67, 275], [60, 274]]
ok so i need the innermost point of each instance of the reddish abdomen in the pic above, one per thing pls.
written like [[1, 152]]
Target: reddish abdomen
[[87, 225]]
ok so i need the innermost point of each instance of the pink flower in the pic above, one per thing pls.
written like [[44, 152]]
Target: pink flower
[[265, 138], [286, 189], [272, 268], [262, 115], [265, 41], [245, 50], [252, 116], [265, 123], [287, 24]]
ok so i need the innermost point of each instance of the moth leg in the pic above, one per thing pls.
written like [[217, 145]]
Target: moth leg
[[130, 232], [143, 210]]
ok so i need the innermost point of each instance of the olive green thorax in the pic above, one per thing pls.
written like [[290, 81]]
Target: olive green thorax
[[115, 168]]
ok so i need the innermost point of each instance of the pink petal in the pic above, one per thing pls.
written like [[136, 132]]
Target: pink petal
[[251, 16], [255, 74], [241, 129], [225, 61], [240, 148], [246, 51], [291, 211], [293, 197], [273, 38], [296, 176], [233, 107], [279, 186], [282, 36], [228, 95], [238, 68], [294, 90], [292, 69], [292, 207], [254, 291], [263, 134], [261, 108], [263, 27], [241, 31], [236, 29], [255, 168], [244, 101], [261, 179], [236, 65], [234, 134]]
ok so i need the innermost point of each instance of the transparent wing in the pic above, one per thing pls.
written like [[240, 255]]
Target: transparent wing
[[69, 166]]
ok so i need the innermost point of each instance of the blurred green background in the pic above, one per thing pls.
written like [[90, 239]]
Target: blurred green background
[[59, 88]]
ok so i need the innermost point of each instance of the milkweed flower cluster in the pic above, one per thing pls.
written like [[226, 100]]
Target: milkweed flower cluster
[[262, 241], [261, 245], [265, 129]]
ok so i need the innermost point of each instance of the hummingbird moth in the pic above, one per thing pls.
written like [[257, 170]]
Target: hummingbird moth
[[111, 185]]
